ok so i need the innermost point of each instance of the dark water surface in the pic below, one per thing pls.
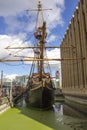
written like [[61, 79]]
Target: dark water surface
[[61, 117]]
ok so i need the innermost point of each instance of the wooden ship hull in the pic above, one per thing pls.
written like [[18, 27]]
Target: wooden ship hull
[[41, 94]]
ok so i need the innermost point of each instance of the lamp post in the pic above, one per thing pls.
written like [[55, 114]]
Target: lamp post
[[1, 83], [11, 94]]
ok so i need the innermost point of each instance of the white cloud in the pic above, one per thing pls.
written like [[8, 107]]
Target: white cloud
[[10, 76], [21, 35], [55, 54], [12, 41], [12, 7], [52, 38], [10, 10], [9, 7], [54, 17]]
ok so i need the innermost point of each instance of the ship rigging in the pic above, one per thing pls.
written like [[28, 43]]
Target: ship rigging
[[40, 89]]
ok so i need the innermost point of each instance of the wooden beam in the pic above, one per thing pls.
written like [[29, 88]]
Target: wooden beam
[[38, 47], [35, 59]]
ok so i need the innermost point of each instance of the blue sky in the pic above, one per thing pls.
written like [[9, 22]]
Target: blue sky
[[17, 27]]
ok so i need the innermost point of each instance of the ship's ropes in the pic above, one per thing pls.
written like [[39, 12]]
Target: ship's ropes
[[18, 97]]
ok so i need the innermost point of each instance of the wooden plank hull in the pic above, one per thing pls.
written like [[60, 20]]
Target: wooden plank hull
[[42, 97]]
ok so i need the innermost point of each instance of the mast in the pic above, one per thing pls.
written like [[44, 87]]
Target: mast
[[42, 45], [38, 33], [40, 36]]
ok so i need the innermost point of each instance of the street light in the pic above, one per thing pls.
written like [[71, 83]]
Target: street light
[[11, 93], [1, 83]]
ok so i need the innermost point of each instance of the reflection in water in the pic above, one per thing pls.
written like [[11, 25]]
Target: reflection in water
[[58, 109], [62, 117], [21, 104], [69, 116]]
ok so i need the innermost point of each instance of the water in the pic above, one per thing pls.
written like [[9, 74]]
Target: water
[[61, 117], [70, 117]]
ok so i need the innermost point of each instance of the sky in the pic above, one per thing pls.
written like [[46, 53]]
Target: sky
[[17, 26]]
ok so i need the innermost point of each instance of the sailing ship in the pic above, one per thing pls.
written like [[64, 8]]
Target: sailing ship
[[40, 87]]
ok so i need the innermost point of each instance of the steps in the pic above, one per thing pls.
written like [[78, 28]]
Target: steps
[[4, 104], [4, 107]]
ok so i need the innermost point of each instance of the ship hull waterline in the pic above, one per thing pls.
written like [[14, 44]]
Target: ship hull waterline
[[41, 98]]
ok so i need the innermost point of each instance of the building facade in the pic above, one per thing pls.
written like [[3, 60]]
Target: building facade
[[74, 55]]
